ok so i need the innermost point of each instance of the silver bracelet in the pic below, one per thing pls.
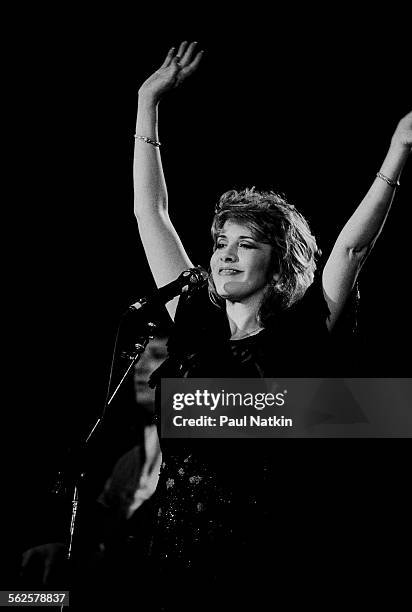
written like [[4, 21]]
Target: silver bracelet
[[390, 182], [155, 143]]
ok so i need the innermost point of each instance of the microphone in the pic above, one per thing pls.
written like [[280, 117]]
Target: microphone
[[195, 278]]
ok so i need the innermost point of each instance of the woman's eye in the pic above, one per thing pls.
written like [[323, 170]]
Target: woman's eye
[[246, 245], [220, 245]]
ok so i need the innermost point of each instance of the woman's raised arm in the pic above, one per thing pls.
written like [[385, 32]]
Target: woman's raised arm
[[358, 236], [165, 253]]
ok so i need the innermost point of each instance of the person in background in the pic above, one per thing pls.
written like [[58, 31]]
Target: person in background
[[115, 527]]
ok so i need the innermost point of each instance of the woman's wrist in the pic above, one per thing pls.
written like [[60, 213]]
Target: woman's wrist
[[395, 160], [398, 147], [146, 122], [147, 99], [399, 152]]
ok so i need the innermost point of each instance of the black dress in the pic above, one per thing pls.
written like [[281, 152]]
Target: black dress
[[230, 512]]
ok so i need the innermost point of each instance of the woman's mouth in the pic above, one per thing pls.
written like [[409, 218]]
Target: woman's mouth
[[228, 272]]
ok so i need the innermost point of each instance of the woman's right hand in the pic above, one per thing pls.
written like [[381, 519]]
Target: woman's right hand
[[174, 70]]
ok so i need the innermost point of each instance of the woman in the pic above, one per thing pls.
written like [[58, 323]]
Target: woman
[[217, 511]]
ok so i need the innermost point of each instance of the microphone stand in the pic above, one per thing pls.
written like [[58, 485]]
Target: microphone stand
[[133, 356], [187, 281]]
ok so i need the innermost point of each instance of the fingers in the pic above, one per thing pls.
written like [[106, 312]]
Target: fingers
[[182, 48], [193, 65], [168, 58], [25, 559], [186, 54], [182, 63], [46, 571]]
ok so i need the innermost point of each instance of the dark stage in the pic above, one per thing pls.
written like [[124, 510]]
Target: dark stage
[[305, 109]]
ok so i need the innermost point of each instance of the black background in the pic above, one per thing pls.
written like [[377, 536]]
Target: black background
[[304, 103]]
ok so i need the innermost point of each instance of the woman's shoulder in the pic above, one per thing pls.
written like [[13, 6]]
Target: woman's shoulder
[[196, 316], [311, 307]]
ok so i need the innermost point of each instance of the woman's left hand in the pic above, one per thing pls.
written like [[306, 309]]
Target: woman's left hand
[[402, 136]]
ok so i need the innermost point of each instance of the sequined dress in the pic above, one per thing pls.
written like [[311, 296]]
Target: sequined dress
[[223, 505]]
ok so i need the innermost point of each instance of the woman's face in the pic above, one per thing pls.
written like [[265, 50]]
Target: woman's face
[[240, 264]]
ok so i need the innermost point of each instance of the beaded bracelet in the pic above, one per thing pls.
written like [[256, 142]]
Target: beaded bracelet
[[155, 143], [390, 182]]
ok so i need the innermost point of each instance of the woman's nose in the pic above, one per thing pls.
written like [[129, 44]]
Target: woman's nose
[[229, 253]]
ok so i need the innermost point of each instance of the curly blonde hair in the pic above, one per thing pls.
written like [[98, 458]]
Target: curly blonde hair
[[272, 220]]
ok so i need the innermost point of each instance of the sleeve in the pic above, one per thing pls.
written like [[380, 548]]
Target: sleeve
[[197, 321], [121, 485], [314, 305], [310, 313], [189, 327]]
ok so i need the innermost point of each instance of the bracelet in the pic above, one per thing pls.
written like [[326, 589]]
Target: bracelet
[[390, 182], [155, 143]]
